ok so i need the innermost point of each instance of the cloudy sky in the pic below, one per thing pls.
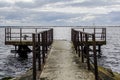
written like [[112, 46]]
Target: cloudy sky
[[59, 12]]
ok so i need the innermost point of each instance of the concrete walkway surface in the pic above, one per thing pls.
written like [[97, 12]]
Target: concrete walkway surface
[[63, 64]]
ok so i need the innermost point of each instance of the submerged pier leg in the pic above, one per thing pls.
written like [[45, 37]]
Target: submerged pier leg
[[15, 50], [23, 50], [99, 51]]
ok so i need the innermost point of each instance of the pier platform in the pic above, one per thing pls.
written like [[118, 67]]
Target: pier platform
[[63, 64]]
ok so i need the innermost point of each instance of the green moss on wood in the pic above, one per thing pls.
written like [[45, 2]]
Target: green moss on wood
[[107, 74]]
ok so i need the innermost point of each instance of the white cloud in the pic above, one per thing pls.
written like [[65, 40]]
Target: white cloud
[[79, 1], [59, 4], [74, 10], [88, 18], [70, 20], [13, 1], [23, 0], [9, 1]]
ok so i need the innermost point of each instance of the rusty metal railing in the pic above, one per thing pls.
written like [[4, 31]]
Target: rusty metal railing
[[80, 41], [41, 43], [100, 33], [21, 34]]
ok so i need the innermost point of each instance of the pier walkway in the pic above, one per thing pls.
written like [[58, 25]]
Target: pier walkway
[[63, 64]]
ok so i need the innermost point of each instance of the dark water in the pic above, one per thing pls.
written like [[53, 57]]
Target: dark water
[[11, 65]]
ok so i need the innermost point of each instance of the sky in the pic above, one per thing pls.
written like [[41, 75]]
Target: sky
[[59, 12]]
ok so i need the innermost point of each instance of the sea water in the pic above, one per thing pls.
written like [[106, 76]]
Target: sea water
[[12, 65]]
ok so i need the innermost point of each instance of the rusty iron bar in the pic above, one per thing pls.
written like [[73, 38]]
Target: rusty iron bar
[[40, 40], [46, 41], [82, 41], [20, 34], [10, 32], [95, 58], [5, 35], [81, 37], [96, 32], [87, 50], [43, 47], [39, 53], [34, 57], [105, 35]]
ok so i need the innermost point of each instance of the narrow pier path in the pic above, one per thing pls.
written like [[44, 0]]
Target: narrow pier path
[[63, 64]]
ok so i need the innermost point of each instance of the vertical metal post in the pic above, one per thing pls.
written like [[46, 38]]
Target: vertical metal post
[[79, 44], [46, 41], [95, 57], [5, 35], [43, 47], [87, 50], [94, 31], [52, 35], [83, 29], [105, 34], [99, 50], [35, 30], [39, 54], [20, 34], [34, 57], [71, 34], [81, 37], [10, 33]]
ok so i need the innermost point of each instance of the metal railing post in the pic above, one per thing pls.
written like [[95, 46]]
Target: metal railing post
[[95, 57], [34, 57], [39, 54], [20, 34], [87, 50]]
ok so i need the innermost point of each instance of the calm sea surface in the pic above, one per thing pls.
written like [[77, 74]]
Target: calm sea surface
[[11, 65]]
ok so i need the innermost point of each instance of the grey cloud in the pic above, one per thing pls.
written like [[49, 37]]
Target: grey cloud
[[25, 5], [38, 3], [24, 15], [93, 3], [107, 19], [4, 4]]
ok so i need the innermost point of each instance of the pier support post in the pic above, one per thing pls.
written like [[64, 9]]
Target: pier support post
[[39, 54], [23, 50], [99, 50], [34, 58]]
